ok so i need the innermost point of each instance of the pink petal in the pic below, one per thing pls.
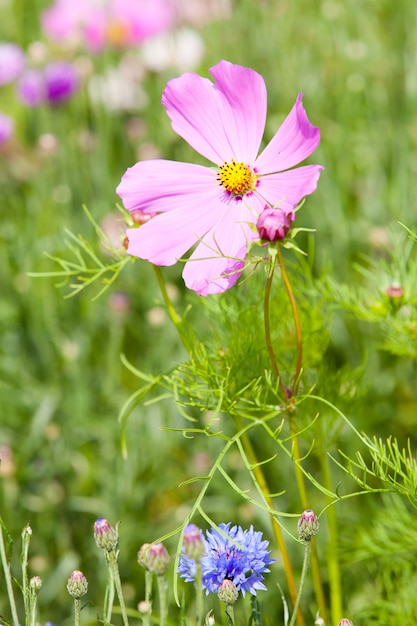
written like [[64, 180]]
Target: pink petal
[[218, 260], [295, 140], [165, 238], [158, 185], [286, 189], [221, 121]]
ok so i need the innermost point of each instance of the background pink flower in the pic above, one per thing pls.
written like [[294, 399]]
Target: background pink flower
[[218, 208]]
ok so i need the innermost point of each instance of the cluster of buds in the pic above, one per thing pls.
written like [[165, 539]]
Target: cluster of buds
[[308, 525], [154, 557]]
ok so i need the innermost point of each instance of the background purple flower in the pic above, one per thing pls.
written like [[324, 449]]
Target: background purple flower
[[61, 81], [241, 556], [12, 62], [54, 84]]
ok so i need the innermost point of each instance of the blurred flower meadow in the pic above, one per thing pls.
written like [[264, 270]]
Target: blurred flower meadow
[[209, 312]]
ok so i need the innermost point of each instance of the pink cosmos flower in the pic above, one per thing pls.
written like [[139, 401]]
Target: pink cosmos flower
[[218, 208]]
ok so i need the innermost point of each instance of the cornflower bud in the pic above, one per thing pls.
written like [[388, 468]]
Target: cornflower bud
[[193, 543], [154, 557], [145, 607], [274, 223], [345, 622], [77, 584], [308, 525], [227, 592], [209, 619], [105, 535], [35, 583]]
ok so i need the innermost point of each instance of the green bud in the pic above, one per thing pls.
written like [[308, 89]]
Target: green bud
[[193, 543], [154, 557], [227, 592], [308, 525], [35, 583], [77, 584], [105, 535]]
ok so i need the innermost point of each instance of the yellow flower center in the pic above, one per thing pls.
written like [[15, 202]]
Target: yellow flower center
[[238, 178]]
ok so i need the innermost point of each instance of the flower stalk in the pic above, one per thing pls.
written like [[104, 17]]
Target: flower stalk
[[8, 577]]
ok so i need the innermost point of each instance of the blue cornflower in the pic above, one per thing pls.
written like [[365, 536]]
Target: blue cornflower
[[233, 554]]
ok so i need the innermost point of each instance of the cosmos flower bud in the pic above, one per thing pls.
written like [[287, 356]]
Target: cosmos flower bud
[[345, 622], [274, 223], [193, 544], [77, 584], [228, 592], [105, 535], [154, 557], [308, 525], [394, 291], [35, 583]]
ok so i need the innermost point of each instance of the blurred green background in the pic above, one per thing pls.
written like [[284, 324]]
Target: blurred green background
[[62, 382]]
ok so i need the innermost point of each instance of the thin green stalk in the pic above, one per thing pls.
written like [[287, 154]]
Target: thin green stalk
[[8, 579], [230, 612], [336, 605], [306, 561], [263, 486], [113, 565], [267, 325], [31, 617], [302, 490], [163, 600], [199, 592], [294, 309], [77, 611], [26, 535], [109, 596], [175, 318]]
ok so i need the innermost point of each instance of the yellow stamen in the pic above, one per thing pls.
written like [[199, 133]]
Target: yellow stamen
[[238, 178]]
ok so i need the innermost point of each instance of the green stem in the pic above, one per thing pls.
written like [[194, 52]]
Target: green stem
[[163, 601], [113, 565], [199, 599], [302, 490], [263, 486], [109, 595], [8, 578], [333, 547], [77, 611], [267, 325], [294, 309], [31, 617], [306, 561], [175, 318], [26, 534], [230, 615]]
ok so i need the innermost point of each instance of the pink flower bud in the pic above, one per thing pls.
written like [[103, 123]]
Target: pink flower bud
[[228, 592], [105, 535], [274, 223], [308, 525]]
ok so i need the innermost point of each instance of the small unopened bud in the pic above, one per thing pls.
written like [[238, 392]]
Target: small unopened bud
[[105, 535], [35, 583], [193, 543], [77, 584], [209, 619], [154, 557], [27, 531], [227, 592], [394, 291], [274, 223], [345, 622], [308, 525], [145, 607]]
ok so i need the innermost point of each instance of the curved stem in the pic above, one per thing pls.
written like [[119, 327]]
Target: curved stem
[[296, 317], [8, 578], [267, 324]]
